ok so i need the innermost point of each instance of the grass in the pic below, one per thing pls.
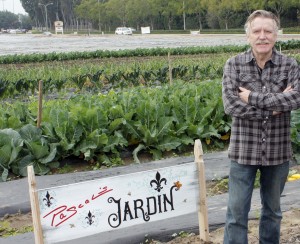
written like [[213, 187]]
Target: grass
[[7, 230]]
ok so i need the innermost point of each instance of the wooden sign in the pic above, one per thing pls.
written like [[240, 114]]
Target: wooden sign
[[59, 27], [87, 208]]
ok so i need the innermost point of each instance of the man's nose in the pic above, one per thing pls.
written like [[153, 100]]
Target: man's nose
[[262, 34]]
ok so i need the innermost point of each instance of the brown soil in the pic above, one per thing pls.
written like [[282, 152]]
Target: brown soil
[[290, 229], [290, 232]]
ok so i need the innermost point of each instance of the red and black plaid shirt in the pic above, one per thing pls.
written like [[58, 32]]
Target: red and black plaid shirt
[[258, 137]]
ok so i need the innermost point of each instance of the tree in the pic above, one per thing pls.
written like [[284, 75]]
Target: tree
[[247, 6], [279, 6], [8, 20], [223, 10], [140, 13], [198, 8]]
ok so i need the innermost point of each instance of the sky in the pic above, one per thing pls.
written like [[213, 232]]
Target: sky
[[13, 6]]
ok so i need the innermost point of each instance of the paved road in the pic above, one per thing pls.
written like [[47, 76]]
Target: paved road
[[14, 196], [29, 43]]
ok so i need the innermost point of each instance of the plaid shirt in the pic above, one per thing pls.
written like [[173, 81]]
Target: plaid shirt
[[257, 136]]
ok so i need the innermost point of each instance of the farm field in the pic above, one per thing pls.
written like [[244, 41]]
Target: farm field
[[36, 43]]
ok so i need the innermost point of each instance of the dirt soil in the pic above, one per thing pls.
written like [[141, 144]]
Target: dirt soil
[[290, 232], [290, 229]]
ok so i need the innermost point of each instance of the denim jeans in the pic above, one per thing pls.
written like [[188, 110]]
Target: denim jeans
[[241, 184]]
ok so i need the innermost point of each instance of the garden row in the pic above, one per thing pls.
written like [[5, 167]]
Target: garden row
[[105, 74], [99, 127]]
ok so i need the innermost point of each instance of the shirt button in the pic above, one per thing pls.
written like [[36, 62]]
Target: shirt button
[[264, 139], [267, 117], [264, 121]]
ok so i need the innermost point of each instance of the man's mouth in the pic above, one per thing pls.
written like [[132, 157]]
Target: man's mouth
[[262, 43]]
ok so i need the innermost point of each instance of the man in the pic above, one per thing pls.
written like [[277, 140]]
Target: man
[[260, 88]]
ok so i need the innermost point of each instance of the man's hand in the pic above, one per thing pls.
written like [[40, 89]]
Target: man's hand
[[244, 94], [289, 88]]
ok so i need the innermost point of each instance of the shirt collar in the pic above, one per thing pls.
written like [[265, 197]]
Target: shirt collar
[[275, 59]]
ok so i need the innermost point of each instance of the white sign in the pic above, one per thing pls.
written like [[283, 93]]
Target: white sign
[[145, 30], [82, 209], [59, 27], [58, 23]]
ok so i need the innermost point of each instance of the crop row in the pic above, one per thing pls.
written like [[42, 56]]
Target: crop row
[[96, 77], [101, 82], [97, 127]]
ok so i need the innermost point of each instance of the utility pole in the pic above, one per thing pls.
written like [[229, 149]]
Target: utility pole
[[46, 14]]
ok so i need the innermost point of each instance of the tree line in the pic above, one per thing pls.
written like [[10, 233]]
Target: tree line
[[106, 15]]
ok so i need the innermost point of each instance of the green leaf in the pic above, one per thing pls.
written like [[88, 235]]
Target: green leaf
[[4, 174], [50, 156], [37, 149], [21, 169], [157, 154], [169, 143]]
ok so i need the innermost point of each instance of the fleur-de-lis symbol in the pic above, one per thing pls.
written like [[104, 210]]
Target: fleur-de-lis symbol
[[158, 181], [90, 218], [48, 199]]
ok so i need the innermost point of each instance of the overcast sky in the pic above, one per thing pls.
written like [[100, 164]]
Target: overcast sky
[[13, 6]]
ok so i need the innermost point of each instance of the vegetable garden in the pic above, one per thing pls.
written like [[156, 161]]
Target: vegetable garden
[[99, 104]]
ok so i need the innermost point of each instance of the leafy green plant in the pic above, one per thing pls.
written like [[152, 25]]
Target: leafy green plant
[[10, 146], [295, 135], [37, 152]]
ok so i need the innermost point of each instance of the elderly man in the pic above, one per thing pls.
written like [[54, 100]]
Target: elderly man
[[260, 88]]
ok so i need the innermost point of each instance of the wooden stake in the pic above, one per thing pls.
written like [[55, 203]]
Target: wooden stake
[[202, 213], [35, 208], [170, 68], [40, 108]]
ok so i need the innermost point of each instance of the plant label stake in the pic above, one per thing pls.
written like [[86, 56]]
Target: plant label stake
[[40, 108], [170, 68]]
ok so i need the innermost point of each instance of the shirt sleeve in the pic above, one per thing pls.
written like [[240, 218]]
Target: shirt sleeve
[[281, 102], [233, 105]]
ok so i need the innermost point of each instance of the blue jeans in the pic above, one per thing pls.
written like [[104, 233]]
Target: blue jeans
[[241, 184]]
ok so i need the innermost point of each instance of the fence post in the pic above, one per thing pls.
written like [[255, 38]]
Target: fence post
[[202, 213], [35, 207]]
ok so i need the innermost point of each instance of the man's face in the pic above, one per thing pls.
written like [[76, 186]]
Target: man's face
[[262, 36]]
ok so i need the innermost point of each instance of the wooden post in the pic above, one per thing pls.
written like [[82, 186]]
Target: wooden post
[[202, 213], [35, 208], [40, 108], [170, 68]]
